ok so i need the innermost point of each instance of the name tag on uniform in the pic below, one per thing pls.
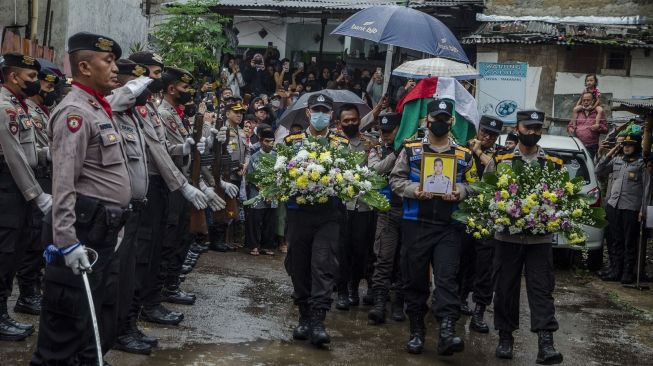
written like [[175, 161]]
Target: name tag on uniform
[[632, 175], [105, 126]]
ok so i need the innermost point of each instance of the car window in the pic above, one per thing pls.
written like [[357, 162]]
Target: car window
[[575, 164]]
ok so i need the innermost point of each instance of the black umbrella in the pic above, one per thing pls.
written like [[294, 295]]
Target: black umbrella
[[296, 113]]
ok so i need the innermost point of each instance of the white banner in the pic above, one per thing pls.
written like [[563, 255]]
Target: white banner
[[501, 89]]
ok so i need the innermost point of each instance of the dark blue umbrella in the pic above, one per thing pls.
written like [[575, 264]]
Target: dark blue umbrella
[[404, 27]]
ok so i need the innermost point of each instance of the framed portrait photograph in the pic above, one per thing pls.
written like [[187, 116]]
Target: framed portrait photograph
[[438, 174]]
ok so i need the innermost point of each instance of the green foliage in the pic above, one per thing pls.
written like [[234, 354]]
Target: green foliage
[[192, 36], [136, 47]]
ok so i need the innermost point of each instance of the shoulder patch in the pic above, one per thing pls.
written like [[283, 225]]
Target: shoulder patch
[[460, 147], [74, 122], [11, 113], [413, 144], [554, 159], [501, 157], [13, 127], [339, 139], [297, 136], [142, 110]]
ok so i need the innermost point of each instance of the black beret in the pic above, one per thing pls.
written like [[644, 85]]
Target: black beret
[[530, 117], [490, 123], [320, 99], [131, 68], [388, 121], [147, 58], [19, 60], [93, 42], [179, 74], [440, 106]]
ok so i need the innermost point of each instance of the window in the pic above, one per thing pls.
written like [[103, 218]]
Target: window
[[616, 60]]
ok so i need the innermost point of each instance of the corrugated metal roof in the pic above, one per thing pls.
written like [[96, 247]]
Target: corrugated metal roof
[[335, 4], [528, 32], [636, 103]]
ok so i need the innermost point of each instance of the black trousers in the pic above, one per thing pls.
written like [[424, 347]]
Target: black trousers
[[14, 222], [261, 225], [511, 260], [125, 268], [312, 259], [65, 326], [424, 245], [176, 241], [387, 247], [484, 274], [218, 230], [467, 269], [356, 242], [624, 226]]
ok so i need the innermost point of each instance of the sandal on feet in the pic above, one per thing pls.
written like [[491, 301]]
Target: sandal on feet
[[254, 252], [267, 252]]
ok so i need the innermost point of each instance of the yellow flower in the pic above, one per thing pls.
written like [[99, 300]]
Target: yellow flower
[[553, 225], [481, 197], [357, 177], [302, 181], [570, 188], [323, 199], [293, 172], [315, 175], [504, 194], [312, 155], [350, 191], [503, 181], [339, 178], [550, 196], [526, 209], [485, 232], [301, 200], [470, 222], [325, 156], [325, 180], [577, 213], [284, 198], [501, 205], [520, 223], [477, 235]]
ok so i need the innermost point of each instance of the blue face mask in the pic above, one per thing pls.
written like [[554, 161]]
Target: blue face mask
[[320, 120]]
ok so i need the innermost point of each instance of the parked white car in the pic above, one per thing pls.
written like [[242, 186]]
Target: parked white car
[[578, 162]]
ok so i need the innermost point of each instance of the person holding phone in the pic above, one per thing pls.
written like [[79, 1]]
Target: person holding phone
[[375, 86], [282, 76], [257, 79]]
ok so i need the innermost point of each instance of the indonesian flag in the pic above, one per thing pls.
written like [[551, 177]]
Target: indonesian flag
[[413, 109]]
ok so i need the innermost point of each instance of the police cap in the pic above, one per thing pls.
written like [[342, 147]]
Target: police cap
[[131, 68], [389, 121], [147, 58], [530, 117], [320, 99], [13, 59], [440, 106], [491, 124], [182, 75], [93, 42]]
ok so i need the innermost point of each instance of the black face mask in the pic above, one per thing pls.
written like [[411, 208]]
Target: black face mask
[[350, 130], [439, 128], [143, 98], [48, 97], [190, 110], [183, 98], [31, 88], [155, 86], [529, 140]]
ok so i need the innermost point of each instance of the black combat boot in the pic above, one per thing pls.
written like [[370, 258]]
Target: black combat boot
[[417, 334], [160, 315], [303, 330], [464, 306], [368, 298], [342, 302], [377, 313], [397, 308], [319, 335], [217, 240], [504, 348], [29, 301], [130, 343], [546, 354], [10, 329], [172, 293], [449, 343], [477, 323], [133, 328], [354, 296]]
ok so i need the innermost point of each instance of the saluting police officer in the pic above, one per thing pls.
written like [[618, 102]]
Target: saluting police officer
[[29, 272], [531, 255], [626, 207], [20, 191], [429, 235], [313, 234], [92, 190], [477, 255], [387, 244]]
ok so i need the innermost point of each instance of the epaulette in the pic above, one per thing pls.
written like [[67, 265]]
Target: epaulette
[[462, 152], [339, 139], [290, 138], [554, 159], [460, 147], [501, 157], [413, 143]]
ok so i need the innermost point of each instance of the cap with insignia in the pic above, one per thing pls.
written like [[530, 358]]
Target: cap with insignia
[[235, 105], [388, 121], [146, 58], [131, 68], [512, 136], [491, 124], [263, 108], [48, 76], [264, 131], [317, 100], [530, 117], [180, 74], [93, 42], [13, 59], [440, 106], [633, 139]]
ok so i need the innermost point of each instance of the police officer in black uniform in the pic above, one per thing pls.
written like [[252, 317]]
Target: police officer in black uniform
[[531, 255], [313, 234]]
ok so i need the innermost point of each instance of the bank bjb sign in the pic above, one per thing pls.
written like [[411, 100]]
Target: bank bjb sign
[[501, 89]]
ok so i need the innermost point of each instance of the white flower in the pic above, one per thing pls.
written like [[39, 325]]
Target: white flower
[[348, 175], [301, 155], [280, 164]]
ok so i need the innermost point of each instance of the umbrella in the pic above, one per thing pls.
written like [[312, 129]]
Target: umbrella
[[404, 27], [297, 112], [420, 69]]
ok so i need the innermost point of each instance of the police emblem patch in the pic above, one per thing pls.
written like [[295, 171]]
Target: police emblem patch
[[442, 105], [186, 78], [320, 98], [74, 122], [384, 120], [138, 70], [13, 127], [157, 58], [534, 115], [29, 61], [104, 44], [112, 137], [493, 123], [142, 111], [50, 78], [11, 114]]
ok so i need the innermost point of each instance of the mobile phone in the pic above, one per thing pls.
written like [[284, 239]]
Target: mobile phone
[[300, 65], [379, 70], [313, 59]]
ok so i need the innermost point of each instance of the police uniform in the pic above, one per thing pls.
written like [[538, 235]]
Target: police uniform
[[387, 243], [531, 255], [313, 235], [29, 271], [18, 186], [431, 237], [628, 197], [92, 190]]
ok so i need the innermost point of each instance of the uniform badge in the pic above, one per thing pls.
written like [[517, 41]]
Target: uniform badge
[[186, 78], [173, 126], [493, 123], [104, 44], [157, 121], [534, 115], [131, 137], [320, 98], [157, 58], [74, 122], [142, 111], [38, 125], [11, 114], [93, 103], [442, 105], [138, 70], [13, 127], [28, 123], [50, 78], [112, 137]]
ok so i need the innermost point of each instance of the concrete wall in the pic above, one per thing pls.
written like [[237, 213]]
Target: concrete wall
[[301, 38], [249, 27], [570, 8]]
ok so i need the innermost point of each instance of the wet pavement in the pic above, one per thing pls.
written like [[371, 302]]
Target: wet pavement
[[244, 316]]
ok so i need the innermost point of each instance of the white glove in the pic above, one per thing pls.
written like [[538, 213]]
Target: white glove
[[77, 260], [137, 86], [44, 202], [187, 146], [194, 196], [215, 202], [230, 189], [201, 146], [220, 134]]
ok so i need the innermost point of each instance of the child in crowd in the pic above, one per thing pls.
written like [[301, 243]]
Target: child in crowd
[[591, 86]]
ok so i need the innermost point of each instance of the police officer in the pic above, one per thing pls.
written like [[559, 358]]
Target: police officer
[[29, 272], [513, 253], [92, 190], [20, 190], [357, 228], [477, 255], [313, 234], [511, 141], [429, 235], [627, 200], [387, 244]]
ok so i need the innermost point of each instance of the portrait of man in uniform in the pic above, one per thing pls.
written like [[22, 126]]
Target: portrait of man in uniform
[[438, 173]]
